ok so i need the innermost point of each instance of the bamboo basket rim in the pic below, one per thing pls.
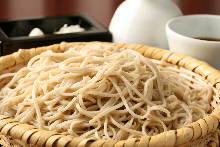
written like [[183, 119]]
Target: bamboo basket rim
[[196, 130]]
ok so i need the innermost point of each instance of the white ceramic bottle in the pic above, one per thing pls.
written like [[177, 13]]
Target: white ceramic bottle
[[143, 22]]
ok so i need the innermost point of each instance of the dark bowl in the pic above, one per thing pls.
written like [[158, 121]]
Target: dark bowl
[[14, 33]]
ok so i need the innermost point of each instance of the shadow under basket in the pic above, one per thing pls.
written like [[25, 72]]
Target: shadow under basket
[[203, 132]]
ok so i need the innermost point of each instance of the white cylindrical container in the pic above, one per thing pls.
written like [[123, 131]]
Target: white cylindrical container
[[143, 22], [183, 35]]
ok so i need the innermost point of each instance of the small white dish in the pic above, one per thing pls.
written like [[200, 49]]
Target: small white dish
[[182, 31]]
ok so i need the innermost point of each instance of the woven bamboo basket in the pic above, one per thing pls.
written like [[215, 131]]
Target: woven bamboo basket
[[203, 132]]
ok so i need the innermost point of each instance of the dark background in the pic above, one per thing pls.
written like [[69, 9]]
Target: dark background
[[101, 10]]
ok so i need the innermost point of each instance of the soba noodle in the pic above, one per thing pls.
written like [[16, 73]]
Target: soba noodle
[[101, 91]]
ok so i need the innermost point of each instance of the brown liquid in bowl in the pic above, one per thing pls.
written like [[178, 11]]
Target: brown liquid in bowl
[[208, 38]]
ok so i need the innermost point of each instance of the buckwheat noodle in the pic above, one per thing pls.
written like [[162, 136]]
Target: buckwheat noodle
[[102, 92]]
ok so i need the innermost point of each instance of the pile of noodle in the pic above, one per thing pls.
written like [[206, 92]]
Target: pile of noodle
[[101, 91]]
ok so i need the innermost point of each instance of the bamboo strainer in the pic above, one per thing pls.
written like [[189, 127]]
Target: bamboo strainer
[[203, 132]]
